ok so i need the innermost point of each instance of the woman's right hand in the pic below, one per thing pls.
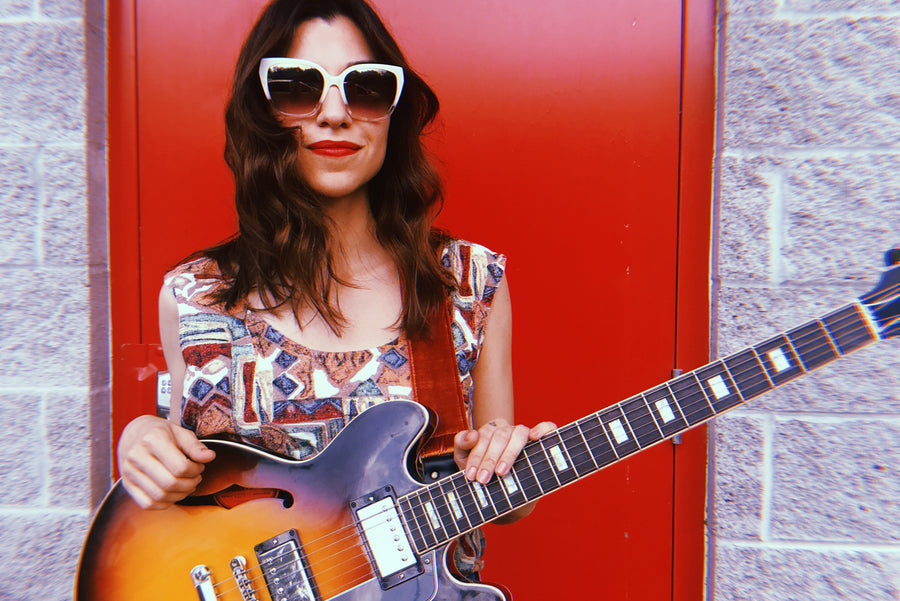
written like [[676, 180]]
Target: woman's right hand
[[160, 462]]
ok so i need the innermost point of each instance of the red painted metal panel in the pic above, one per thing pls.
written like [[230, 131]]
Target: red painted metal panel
[[560, 140], [692, 322]]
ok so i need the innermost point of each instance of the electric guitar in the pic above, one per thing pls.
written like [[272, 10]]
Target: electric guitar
[[351, 524]]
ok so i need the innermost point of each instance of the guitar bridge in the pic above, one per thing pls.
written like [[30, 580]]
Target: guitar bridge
[[285, 568], [385, 537]]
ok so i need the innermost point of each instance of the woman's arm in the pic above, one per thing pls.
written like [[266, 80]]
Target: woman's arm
[[161, 462], [496, 442]]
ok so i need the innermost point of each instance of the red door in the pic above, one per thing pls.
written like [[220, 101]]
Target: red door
[[567, 142]]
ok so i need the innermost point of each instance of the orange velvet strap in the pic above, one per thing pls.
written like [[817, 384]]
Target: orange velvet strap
[[435, 380]]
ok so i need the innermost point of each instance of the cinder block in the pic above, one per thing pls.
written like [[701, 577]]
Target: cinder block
[[755, 574], [22, 476], [64, 223], [842, 215], [825, 82], [865, 381], [45, 320], [62, 9], [69, 451], [836, 481], [39, 555], [749, 9], [15, 8], [43, 81], [817, 6], [18, 206], [748, 193], [748, 316], [739, 464]]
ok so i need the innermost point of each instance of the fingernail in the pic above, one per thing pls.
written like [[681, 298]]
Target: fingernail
[[501, 468], [484, 476], [470, 474]]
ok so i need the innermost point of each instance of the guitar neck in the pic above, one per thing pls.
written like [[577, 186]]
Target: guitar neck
[[442, 511]]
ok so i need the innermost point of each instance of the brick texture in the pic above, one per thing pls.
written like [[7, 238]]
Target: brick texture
[[54, 386], [805, 478]]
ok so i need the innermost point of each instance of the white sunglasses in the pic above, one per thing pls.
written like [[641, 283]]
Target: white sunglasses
[[297, 87]]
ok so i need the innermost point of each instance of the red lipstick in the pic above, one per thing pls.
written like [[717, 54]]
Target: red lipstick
[[334, 148]]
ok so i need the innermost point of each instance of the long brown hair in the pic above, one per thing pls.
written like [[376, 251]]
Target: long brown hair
[[282, 249]]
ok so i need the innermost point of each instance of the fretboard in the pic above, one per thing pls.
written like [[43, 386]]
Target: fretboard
[[439, 512]]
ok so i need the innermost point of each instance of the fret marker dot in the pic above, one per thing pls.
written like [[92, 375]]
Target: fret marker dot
[[778, 359], [662, 405], [558, 458], [618, 431], [719, 388]]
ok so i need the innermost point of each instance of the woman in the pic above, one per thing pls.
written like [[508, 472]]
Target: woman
[[334, 269]]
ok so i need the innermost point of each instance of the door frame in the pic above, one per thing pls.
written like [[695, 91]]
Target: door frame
[[134, 360]]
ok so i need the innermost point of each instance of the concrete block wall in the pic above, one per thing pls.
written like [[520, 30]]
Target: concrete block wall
[[54, 395], [805, 482]]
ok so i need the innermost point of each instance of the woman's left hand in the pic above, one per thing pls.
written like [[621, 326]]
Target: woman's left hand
[[492, 448]]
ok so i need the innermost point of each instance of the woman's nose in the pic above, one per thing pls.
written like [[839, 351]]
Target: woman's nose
[[334, 111]]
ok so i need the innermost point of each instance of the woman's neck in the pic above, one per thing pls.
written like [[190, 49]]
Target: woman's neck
[[357, 252]]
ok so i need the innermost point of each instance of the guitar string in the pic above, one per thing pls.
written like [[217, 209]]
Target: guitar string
[[643, 411], [630, 415]]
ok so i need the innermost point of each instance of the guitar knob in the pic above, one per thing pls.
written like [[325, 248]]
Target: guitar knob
[[892, 257]]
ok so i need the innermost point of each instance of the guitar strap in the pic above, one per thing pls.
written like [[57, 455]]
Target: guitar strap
[[435, 380]]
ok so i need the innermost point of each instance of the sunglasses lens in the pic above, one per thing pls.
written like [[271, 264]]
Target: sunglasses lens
[[370, 93], [295, 90]]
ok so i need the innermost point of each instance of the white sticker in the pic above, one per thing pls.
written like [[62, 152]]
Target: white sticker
[[618, 431], [778, 359], [719, 387], [662, 405]]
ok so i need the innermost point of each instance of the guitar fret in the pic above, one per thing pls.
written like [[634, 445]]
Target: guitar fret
[[470, 504], [812, 345], [578, 449], [594, 433], [442, 510], [661, 404], [829, 338], [526, 475], [438, 527], [779, 359], [848, 336], [748, 373], [513, 487], [561, 459], [485, 503], [623, 440], [719, 386], [461, 519], [640, 421], [497, 493], [653, 418], [692, 401], [543, 470], [428, 533], [412, 525]]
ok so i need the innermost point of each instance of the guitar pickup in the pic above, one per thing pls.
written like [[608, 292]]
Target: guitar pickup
[[385, 538], [285, 568]]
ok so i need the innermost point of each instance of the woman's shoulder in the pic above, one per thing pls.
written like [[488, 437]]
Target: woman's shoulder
[[478, 269], [192, 270], [194, 281]]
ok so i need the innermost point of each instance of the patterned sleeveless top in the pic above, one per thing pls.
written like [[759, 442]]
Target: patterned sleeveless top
[[246, 380]]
